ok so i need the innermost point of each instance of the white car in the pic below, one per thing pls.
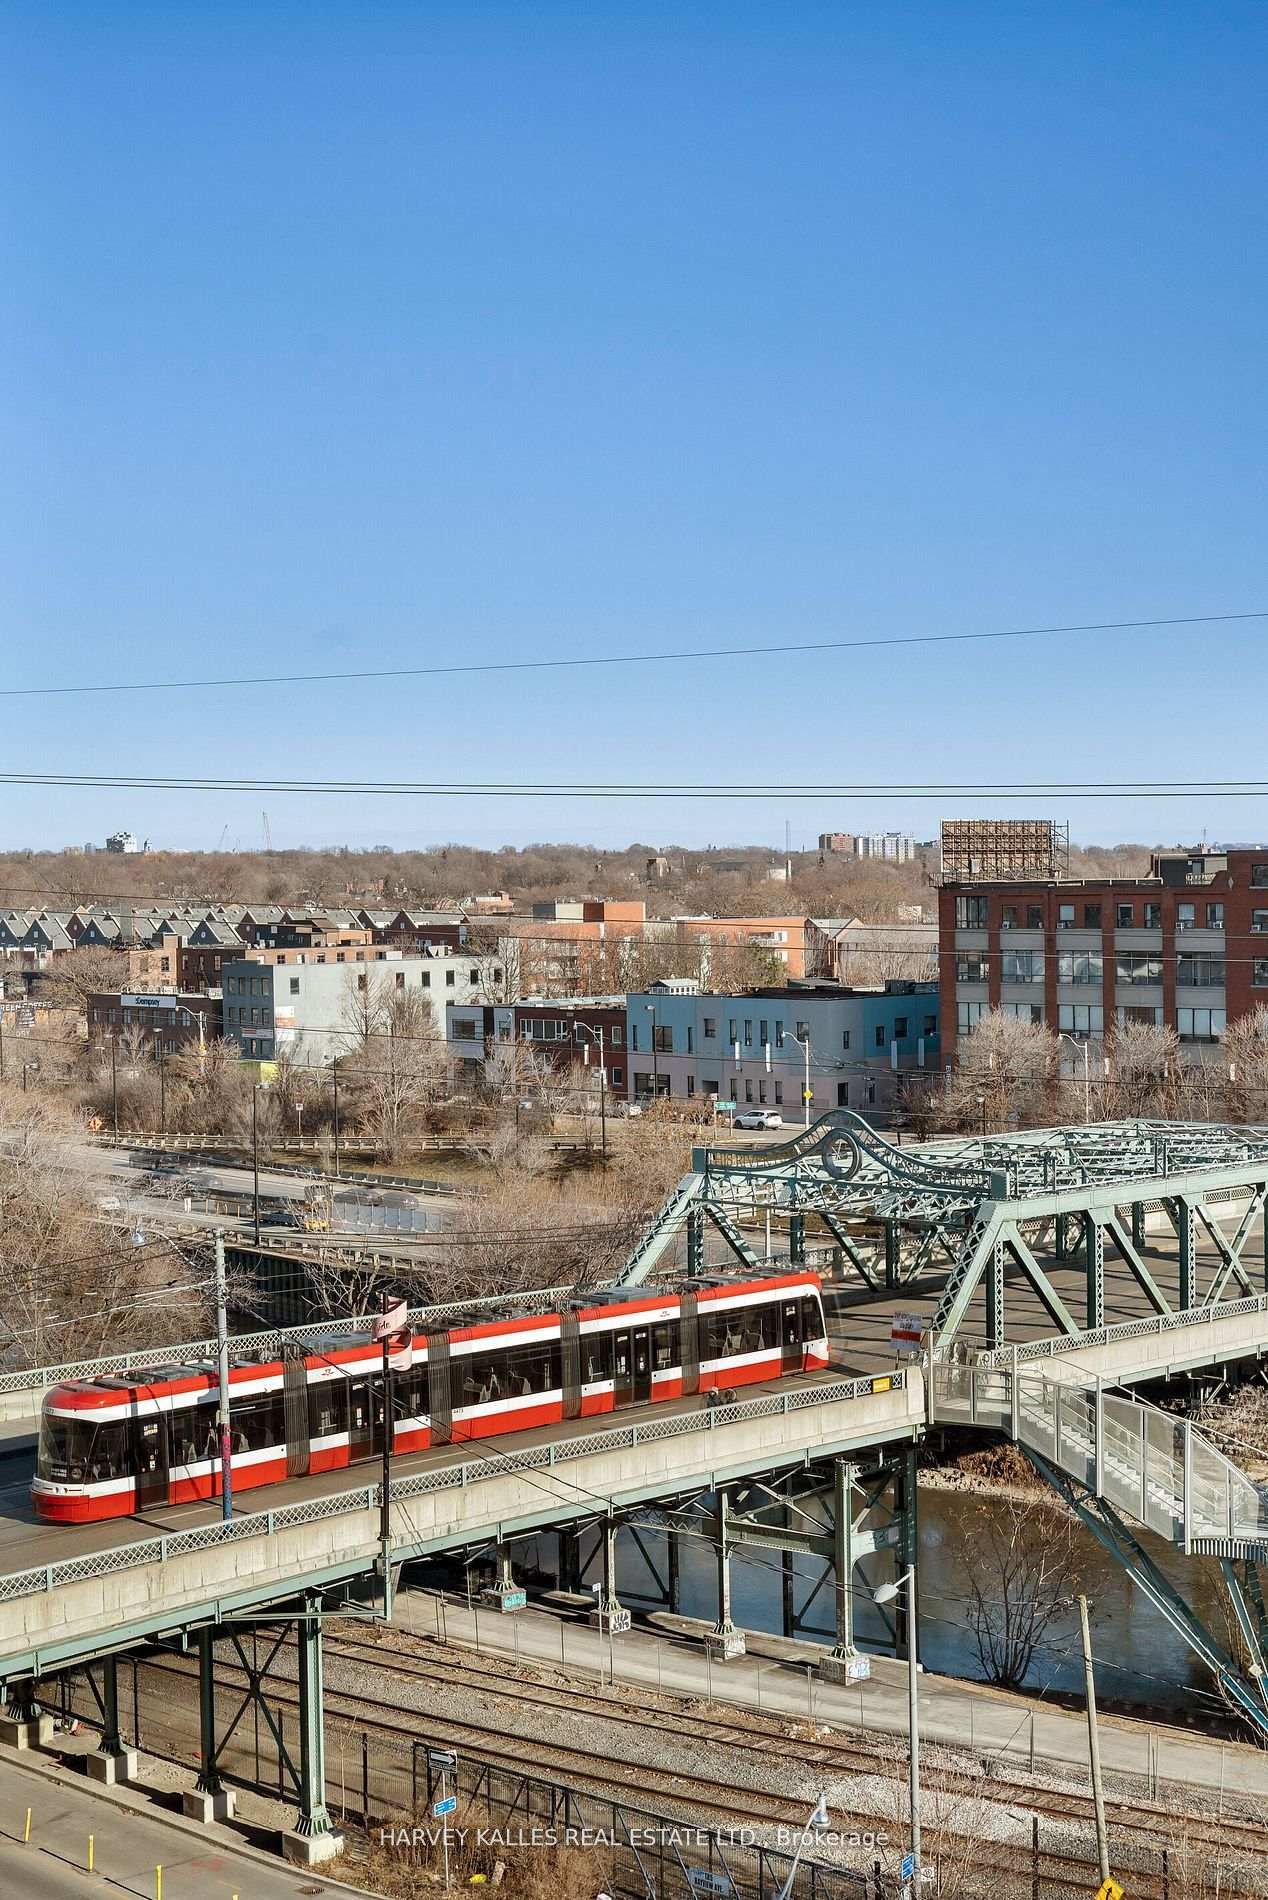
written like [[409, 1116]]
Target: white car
[[625, 1111], [758, 1118]]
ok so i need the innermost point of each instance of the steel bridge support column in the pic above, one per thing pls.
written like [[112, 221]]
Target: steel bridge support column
[[892, 1254], [695, 1241], [723, 1641], [797, 1241], [208, 1799], [313, 1838], [672, 1559], [1186, 1230], [112, 1762], [907, 1607], [22, 1726], [1061, 1246], [608, 1615], [995, 1295], [1095, 1272], [1138, 1225], [839, 1663], [503, 1593]]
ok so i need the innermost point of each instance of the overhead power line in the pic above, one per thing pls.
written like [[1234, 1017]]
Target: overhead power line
[[634, 659], [409, 788]]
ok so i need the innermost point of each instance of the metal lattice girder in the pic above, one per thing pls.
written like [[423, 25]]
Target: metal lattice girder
[[1245, 1593], [1114, 1536], [1140, 1272], [1231, 1250]]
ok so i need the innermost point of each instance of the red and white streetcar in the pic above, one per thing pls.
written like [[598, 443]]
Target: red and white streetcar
[[111, 1447]]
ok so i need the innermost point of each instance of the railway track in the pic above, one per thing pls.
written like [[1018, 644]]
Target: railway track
[[758, 1735], [706, 1797]]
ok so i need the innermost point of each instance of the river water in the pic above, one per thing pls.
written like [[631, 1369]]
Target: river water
[[1140, 1659]]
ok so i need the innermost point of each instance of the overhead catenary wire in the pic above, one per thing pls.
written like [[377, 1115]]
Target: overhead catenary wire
[[565, 662]]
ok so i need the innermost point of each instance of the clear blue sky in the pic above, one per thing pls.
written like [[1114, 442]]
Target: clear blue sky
[[385, 334]]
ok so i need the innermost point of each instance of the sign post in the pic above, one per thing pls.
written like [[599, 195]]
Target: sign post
[[447, 1762]]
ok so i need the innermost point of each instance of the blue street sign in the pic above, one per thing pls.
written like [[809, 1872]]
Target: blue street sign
[[446, 1806], [908, 1867]]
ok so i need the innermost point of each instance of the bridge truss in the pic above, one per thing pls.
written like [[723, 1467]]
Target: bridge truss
[[980, 1210]]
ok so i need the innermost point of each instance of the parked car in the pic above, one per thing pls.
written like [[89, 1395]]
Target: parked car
[[625, 1111], [759, 1118]]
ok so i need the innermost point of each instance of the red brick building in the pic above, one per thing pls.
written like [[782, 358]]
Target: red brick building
[[1185, 946]]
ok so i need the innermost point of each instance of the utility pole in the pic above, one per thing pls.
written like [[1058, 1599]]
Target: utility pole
[[1094, 1749], [2, 1049], [114, 1081], [334, 1076], [162, 1093], [804, 1042], [255, 1156], [603, 1097], [222, 1383]]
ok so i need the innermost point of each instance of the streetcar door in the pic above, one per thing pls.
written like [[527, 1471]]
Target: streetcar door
[[642, 1364], [790, 1336], [150, 1451], [622, 1369], [365, 1420]]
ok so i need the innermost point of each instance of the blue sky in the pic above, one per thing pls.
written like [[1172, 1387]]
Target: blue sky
[[391, 334]]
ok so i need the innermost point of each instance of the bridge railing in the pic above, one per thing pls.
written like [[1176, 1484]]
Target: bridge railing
[[269, 1344], [1155, 1325], [265, 1523], [1154, 1467]]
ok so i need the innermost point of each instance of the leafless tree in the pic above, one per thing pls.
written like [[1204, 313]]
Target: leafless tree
[[1008, 1075], [395, 1055], [1144, 1059], [1019, 1559], [1246, 1052]]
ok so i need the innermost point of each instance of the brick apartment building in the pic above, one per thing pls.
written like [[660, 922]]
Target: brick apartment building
[[564, 1032], [168, 1019], [1185, 946]]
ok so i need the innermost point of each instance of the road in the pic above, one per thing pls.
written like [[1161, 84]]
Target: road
[[130, 1840]]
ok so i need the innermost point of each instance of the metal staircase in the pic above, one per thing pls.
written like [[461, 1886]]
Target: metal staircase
[[1111, 1458]]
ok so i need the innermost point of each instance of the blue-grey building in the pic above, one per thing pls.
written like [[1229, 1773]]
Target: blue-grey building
[[854, 1048]]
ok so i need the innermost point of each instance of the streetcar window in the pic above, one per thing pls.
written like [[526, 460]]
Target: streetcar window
[[485, 1376], [811, 1317], [532, 1369], [665, 1345], [83, 1451], [596, 1357], [412, 1391], [328, 1408], [257, 1423]]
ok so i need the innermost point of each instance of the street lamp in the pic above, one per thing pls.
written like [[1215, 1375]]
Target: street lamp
[[804, 1043], [981, 1109], [887, 1594], [255, 1154], [1083, 1045], [334, 1077], [818, 1819], [596, 1036]]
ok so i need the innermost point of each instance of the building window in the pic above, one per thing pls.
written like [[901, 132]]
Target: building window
[[1200, 972], [1125, 916], [763, 1031], [1091, 916], [1139, 970], [400, 979], [1259, 973], [1259, 920], [1080, 966], [1034, 916], [843, 1095], [663, 1038], [1022, 966], [748, 1032], [779, 1032], [1024, 1012], [761, 1092], [779, 1094], [474, 977], [691, 1085], [1199, 1025], [931, 1026], [1215, 916], [970, 913], [748, 1091], [1140, 1013], [880, 1035], [968, 1016], [1008, 917], [712, 1088], [642, 1081], [1259, 877], [803, 1032], [845, 1038], [425, 979], [449, 979], [634, 1043], [1153, 916], [900, 1026], [710, 1029], [691, 1039], [1186, 915], [1065, 917], [1081, 1019], [463, 1028], [616, 1036], [971, 967], [618, 1076]]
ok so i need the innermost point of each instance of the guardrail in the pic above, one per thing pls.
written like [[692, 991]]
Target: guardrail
[[158, 1550], [1057, 1345], [268, 1344]]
